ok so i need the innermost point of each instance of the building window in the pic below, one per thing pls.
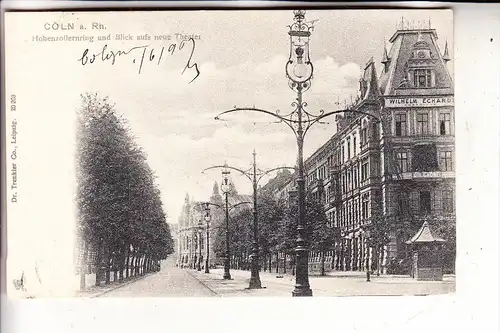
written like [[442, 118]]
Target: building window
[[342, 179], [354, 146], [422, 123], [423, 78], [402, 158], [343, 159], [364, 206], [402, 203], [349, 180], [348, 148], [355, 177], [445, 159], [444, 123], [425, 202], [401, 124], [343, 215], [447, 199], [363, 135], [364, 171], [349, 214]]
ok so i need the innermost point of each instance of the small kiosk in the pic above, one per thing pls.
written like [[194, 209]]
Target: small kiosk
[[427, 255]]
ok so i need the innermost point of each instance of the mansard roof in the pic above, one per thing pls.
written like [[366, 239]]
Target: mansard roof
[[404, 42]]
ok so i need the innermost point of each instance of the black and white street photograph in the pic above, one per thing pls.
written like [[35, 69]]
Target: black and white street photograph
[[248, 153]]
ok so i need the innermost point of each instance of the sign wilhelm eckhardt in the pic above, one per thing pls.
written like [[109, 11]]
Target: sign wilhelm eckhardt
[[402, 102]]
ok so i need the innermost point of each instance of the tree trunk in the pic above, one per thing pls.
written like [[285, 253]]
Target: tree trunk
[[132, 263], [270, 262], [284, 262], [123, 257], [98, 264], [322, 254], [334, 254], [379, 259], [108, 265], [277, 262], [127, 264], [144, 265], [136, 264], [83, 265]]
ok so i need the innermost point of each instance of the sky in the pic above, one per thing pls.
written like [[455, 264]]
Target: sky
[[241, 57]]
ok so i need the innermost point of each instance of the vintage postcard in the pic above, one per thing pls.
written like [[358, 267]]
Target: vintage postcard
[[210, 153]]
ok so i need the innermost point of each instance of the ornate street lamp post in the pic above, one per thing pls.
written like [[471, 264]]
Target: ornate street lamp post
[[207, 220], [200, 238], [299, 71], [226, 188], [254, 175], [368, 240], [195, 250]]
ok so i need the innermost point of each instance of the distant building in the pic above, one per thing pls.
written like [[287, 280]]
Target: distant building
[[192, 225], [401, 168]]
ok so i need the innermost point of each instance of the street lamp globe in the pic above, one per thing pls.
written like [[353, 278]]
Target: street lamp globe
[[226, 183], [299, 68], [207, 217]]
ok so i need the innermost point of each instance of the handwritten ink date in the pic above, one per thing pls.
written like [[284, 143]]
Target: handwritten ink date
[[147, 54]]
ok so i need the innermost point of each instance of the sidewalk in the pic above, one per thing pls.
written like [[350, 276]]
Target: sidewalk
[[92, 291], [341, 284]]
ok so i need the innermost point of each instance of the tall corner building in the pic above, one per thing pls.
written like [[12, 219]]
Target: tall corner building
[[396, 158], [418, 95]]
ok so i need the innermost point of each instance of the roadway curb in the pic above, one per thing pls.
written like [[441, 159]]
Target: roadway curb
[[202, 283], [123, 284]]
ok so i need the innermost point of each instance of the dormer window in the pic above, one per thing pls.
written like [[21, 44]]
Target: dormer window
[[422, 78]]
